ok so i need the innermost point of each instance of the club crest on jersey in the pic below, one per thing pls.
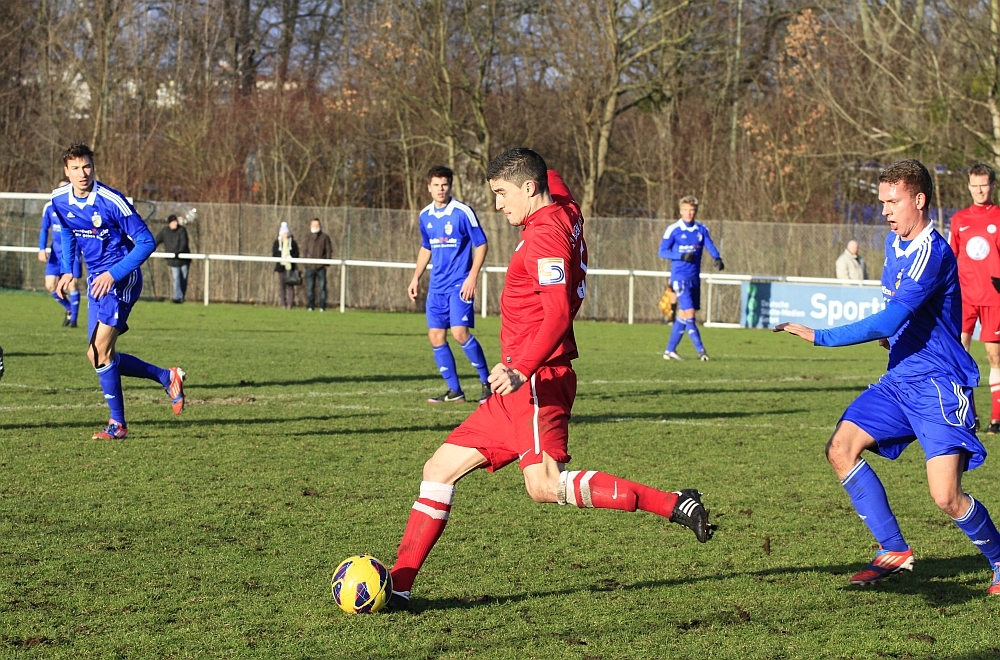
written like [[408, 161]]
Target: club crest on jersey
[[977, 248], [447, 228], [899, 277], [551, 271], [96, 219]]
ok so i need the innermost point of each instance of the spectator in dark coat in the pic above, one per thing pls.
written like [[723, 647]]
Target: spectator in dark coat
[[175, 240], [316, 246]]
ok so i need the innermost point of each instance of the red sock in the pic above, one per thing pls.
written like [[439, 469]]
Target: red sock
[[604, 491], [427, 520]]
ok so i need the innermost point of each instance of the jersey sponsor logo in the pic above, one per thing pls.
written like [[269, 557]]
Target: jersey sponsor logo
[[551, 270], [978, 248]]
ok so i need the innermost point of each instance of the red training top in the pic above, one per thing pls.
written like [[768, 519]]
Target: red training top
[[545, 285], [975, 240]]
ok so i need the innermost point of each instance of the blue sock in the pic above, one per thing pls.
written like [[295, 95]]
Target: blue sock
[[477, 358], [692, 330], [133, 367], [74, 305], [61, 301], [978, 526], [111, 384], [676, 334], [446, 365], [870, 501]]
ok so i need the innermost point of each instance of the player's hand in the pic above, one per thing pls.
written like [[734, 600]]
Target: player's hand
[[504, 381], [66, 280], [719, 264], [884, 343], [100, 286], [43, 255], [798, 330], [689, 257], [411, 290], [468, 290], [996, 283]]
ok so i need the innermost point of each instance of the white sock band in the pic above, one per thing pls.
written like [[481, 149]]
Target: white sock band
[[994, 379], [432, 490]]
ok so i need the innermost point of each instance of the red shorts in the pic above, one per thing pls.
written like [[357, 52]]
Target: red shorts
[[532, 420], [988, 316]]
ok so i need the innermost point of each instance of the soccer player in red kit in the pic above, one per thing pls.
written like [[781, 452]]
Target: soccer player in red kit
[[975, 239], [529, 420]]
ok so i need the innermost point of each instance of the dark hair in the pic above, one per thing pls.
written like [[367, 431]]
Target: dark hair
[[980, 169], [171, 218], [518, 165], [77, 150], [62, 182], [314, 220], [912, 173], [442, 172]]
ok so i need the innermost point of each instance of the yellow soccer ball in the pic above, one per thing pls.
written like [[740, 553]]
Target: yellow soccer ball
[[361, 585]]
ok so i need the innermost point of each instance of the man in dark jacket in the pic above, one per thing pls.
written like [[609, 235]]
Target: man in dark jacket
[[175, 240], [316, 246]]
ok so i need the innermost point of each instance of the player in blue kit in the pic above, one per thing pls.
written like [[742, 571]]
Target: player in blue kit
[[99, 222], [50, 257], [683, 242], [926, 394], [454, 244]]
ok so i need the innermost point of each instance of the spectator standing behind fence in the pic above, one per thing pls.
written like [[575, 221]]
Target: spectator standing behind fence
[[850, 265], [174, 239], [287, 273], [683, 243], [976, 243], [316, 246]]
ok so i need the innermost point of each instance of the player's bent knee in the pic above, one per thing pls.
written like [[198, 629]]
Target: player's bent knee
[[541, 487]]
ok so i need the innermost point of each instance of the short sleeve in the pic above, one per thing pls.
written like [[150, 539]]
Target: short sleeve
[[919, 281], [548, 259], [476, 233], [425, 241]]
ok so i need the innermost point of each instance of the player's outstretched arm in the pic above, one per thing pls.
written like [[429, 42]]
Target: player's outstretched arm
[[875, 327]]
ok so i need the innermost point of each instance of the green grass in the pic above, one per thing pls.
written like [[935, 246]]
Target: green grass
[[213, 534]]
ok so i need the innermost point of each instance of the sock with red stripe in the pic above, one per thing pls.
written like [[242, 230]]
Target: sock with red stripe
[[995, 394], [427, 520], [600, 490]]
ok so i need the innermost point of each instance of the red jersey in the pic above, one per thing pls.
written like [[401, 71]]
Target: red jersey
[[975, 240], [545, 285]]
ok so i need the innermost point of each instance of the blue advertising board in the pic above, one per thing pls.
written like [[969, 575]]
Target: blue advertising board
[[766, 304]]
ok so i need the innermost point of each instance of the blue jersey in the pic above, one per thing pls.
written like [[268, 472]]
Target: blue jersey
[[922, 275], [682, 238], [105, 228], [451, 234], [50, 222]]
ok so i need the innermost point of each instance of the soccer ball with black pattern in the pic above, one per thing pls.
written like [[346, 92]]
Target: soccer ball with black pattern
[[361, 585]]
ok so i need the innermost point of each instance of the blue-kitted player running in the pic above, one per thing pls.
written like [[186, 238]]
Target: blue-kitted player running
[[50, 257], [454, 244], [683, 242], [99, 222], [926, 395]]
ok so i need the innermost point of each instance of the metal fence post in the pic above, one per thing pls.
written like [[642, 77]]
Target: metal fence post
[[207, 263], [631, 296], [343, 285], [486, 299]]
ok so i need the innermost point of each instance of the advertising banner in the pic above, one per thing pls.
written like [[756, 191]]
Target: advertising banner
[[766, 304]]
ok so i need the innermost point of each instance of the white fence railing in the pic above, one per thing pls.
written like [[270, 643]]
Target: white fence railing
[[710, 279]]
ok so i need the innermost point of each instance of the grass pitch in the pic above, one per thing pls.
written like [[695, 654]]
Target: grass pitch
[[213, 534]]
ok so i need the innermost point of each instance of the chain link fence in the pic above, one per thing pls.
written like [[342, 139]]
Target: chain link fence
[[754, 248]]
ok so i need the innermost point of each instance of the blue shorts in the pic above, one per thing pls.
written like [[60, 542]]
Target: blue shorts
[[446, 309], [113, 309], [688, 293], [52, 266], [935, 412]]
